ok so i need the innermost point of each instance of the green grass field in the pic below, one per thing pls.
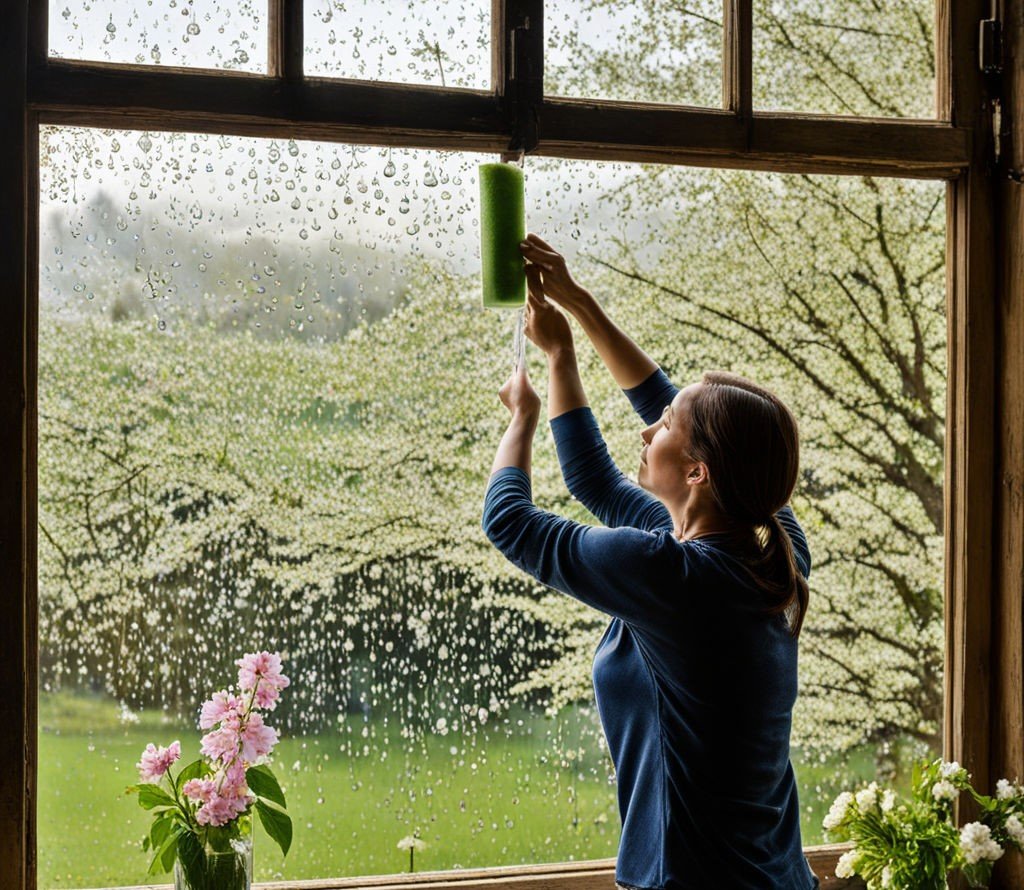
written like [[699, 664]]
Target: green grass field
[[501, 798]]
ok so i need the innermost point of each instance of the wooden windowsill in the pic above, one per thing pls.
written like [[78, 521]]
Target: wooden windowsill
[[596, 874]]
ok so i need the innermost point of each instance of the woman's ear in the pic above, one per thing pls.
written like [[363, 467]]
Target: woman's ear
[[698, 473]]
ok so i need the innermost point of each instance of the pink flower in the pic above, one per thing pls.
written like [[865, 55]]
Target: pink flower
[[262, 671], [221, 810], [234, 784], [222, 706], [199, 789], [221, 744], [257, 739], [156, 761]]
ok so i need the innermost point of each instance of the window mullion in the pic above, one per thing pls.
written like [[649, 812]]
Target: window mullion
[[737, 58], [517, 68], [284, 39]]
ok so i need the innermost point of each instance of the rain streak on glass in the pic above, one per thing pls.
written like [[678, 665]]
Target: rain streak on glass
[[184, 33], [634, 50], [403, 41], [268, 406], [845, 57]]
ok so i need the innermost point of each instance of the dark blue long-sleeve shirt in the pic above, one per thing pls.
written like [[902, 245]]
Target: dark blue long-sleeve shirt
[[694, 684]]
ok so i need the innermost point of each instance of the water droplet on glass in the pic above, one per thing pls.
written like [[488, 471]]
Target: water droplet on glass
[[111, 27], [332, 213], [389, 170], [145, 143], [163, 327], [430, 180], [192, 28], [413, 229]]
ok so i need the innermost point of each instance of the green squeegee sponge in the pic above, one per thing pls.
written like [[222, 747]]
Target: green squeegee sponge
[[502, 227]]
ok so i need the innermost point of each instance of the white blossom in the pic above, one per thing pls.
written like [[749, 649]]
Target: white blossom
[[977, 843], [837, 812], [868, 797], [944, 790], [950, 768], [846, 866], [1015, 829], [412, 843], [1005, 789], [887, 877], [888, 801]]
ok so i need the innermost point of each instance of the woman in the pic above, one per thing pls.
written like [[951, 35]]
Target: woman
[[702, 568]]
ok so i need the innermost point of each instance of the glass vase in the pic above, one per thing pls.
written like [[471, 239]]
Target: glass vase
[[226, 863]]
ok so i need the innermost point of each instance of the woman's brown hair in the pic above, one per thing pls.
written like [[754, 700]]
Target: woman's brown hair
[[750, 443]]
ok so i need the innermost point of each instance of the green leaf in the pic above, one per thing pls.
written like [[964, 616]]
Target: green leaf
[[160, 829], [263, 783], [193, 859], [195, 770], [277, 824], [154, 796], [163, 861]]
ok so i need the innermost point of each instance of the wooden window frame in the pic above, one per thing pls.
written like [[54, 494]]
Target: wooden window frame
[[984, 513]]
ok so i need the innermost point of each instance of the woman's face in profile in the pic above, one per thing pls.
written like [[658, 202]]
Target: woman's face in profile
[[663, 458]]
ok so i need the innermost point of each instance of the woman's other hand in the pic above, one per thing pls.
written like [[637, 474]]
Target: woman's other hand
[[519, 396], [545, 325], [556, 281]]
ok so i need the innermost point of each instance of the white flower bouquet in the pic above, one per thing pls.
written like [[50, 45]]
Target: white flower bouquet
[[913, 844]]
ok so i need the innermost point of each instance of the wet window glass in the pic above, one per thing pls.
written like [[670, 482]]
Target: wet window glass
[[182, 33], [267, 412], [634, 50], [403, 41], [845, 57]]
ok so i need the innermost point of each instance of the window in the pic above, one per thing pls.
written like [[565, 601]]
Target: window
[[66, 93]]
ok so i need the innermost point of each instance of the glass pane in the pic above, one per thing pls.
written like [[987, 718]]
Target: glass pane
[[634, 50], [268, 408], [404, 41], [189, 33], [846, 57]]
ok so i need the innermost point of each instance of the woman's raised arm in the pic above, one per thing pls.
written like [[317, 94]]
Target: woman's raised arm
[[588, 469], [628, 363]]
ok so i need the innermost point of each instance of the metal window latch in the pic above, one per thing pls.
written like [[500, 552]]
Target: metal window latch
[[990, 62], [525, 84], [990, 46]]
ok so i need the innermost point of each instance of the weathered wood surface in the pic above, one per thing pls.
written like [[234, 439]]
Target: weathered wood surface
[[590, 875], [970, 419], [17, 451], [102, 94], [1007, 740], [285, 48], [737, 57]]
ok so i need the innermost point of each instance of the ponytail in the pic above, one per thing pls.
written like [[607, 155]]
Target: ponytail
[[791, 596]]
